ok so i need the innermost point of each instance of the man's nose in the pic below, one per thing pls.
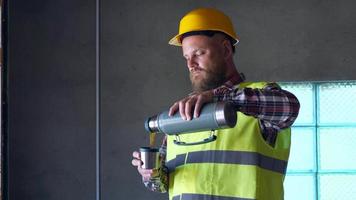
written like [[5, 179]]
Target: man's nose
[[191, 63]]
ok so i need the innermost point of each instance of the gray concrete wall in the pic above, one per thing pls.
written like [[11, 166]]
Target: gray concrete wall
[[51, 73], [142, 74]]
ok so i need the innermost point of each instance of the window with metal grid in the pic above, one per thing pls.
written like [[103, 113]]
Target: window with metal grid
[[322, 164]]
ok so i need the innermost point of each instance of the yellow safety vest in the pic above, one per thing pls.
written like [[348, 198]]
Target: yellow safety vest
[[239, 165]]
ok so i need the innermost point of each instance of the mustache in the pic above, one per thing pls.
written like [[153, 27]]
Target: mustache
[[196, 69]]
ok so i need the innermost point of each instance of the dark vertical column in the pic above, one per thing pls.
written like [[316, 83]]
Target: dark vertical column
[[51, 74], [98, 99]]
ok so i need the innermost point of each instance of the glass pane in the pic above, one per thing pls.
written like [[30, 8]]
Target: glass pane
[[337, 103], [297, 187], [302, 155], [305, 94], [338, 186], [337, 148]]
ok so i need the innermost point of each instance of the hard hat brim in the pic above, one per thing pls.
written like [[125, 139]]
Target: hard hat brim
[[176, 41]]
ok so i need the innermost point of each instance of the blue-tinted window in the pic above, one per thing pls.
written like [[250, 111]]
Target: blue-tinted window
[[322, 162]]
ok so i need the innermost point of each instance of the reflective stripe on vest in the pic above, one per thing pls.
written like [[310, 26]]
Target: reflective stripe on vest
[[204, 197], [229, 157]]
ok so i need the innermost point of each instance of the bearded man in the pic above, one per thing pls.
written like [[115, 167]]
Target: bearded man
[[247, 161]]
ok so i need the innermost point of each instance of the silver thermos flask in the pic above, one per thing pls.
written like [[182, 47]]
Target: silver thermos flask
[[213, 116]]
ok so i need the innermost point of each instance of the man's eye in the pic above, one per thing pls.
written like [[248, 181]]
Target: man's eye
[[198, 53]]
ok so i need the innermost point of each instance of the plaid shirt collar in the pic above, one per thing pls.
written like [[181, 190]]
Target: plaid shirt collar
[[235, 80], [231, 84]]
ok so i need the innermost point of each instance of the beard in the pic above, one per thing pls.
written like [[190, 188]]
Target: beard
[[207, 79]]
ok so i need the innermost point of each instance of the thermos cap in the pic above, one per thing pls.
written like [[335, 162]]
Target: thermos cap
[[225, 114], [151, 124]]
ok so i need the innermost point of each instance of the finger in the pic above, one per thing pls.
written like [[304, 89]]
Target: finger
[[147, 173], [136, 154], [182, 109], [198, 106], [188, 108], [136, 162], [147, 176], [173, 109]]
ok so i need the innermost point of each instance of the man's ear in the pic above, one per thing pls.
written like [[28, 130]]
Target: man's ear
[[227, 48]]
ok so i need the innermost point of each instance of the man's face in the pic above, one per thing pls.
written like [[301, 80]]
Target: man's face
[[205, 61]]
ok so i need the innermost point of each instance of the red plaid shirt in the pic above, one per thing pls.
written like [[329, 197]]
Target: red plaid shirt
[[275, 108]]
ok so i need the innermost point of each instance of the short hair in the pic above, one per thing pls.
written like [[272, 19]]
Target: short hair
[[210, 33]]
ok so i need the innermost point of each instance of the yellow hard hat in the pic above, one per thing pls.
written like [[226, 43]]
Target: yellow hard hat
[[204, 19]]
